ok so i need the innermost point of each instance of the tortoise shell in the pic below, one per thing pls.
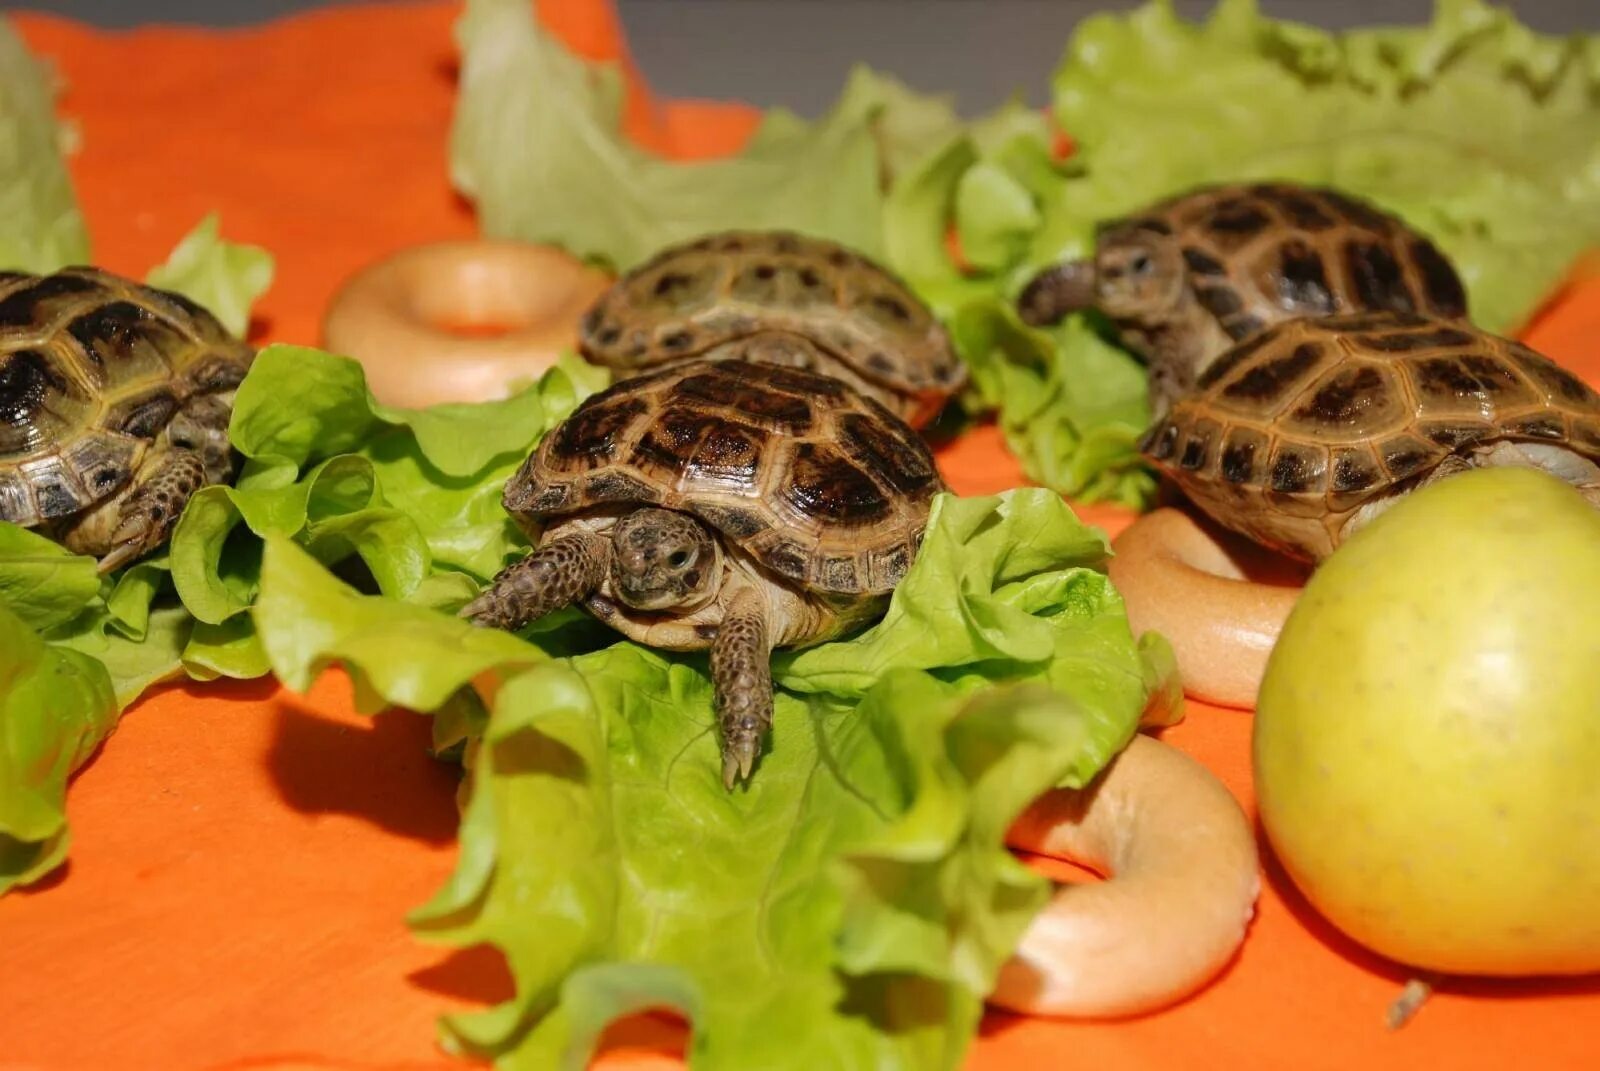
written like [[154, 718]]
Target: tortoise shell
[[1256, 255], [1293, 431], [92, 367], [780, 298], [817, 483]]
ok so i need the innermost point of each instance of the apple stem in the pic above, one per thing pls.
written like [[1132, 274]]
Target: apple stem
[[1408, 1003]]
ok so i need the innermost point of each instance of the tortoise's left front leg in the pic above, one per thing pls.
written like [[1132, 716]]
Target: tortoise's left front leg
[[741, 674], [192, 452]]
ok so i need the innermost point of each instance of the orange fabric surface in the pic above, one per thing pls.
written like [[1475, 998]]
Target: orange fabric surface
[[242, 857]]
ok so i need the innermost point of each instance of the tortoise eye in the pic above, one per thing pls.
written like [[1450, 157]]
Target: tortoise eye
[[1141, 264], [678, 559]]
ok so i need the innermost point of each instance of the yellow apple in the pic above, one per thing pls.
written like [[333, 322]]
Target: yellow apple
[[1427, 737]]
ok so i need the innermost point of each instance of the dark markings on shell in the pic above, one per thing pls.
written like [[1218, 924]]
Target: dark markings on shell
[[903, 462], [729, 452], [1301, 211], [677, 340], [1405, 457], [612, 486], [738, 523], [1443, 286], [27, 380], [1159, 441], [668, 283], [1451, 378], [1272, 376], [56, 498], [840, 574], [753, 399], [892, 307], [765, 271], [1203, 263], [799, 381], [1354, 470], [787, 559], [21, 307], [1195, 452], [879, 361], [891, 566], [1376, 276], [673, 436], [824, 484], [1301, 280], [219, 374], [1231, 359], [1343, 398], [1239, 462], [1539, 426], [809, 278], [198, 313], [1454, 436], [1405, 341], [786, 243], [1219, 301], [1297, 469], [1357, 211], [114, 329], [1238, 219], [590, 434], [1552, 377]]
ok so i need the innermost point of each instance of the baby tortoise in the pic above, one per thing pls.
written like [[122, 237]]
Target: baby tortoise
[[729, 505], [1304, 433], [1190, 277], [114, 407], [784, 299]]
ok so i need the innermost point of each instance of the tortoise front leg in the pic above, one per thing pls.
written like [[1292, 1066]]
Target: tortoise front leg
[[139, 518], [557, 574], [741, 675]]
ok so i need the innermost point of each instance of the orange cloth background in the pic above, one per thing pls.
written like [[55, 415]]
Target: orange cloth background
[[242, 857]]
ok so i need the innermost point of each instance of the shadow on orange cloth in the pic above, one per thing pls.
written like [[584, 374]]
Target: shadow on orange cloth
[[243, 858]]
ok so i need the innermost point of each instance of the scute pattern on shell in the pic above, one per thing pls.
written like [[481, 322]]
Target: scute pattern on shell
[[1257, 254], [814, 481], [704, 296], [1293, 431], [92, 366]]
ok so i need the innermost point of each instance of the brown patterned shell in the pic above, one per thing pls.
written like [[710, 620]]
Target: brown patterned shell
[[814, 481], [1259, 254], [843, 313], [92, 366], [1293, 431]]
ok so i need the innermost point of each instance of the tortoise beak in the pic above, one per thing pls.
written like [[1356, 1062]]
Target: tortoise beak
[[1055, 292]]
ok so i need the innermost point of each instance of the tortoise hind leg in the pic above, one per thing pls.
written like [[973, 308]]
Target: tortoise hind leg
[[741, 675], [557, 574]]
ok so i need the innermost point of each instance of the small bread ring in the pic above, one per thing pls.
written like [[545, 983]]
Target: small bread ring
[[1182, 880], [1218, 603], [395, 317]]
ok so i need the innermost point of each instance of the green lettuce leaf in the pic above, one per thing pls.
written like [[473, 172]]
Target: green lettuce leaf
[[43, 229], [537, 144], [41, 581], [225, 277], [860, 878], [56, 705]]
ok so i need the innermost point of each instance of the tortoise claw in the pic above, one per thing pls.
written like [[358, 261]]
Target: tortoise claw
[[738, 759]]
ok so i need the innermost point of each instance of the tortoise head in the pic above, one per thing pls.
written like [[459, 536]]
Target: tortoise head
[[663, 560], [1139, 275]]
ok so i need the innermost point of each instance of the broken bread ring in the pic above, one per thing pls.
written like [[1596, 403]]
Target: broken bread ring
[[461, 320], [1186, 583], [1182, 880]]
